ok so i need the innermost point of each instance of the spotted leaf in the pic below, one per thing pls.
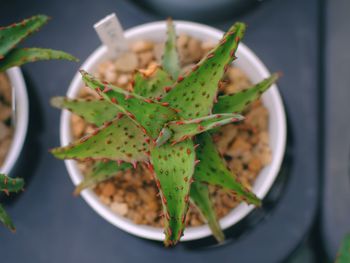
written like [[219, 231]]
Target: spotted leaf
[[119, 140], [20, 56], [8, 184], [182, 130], [151, 115], [238, 101], [174, 166], [12, 35], [93, 111], [212, 170], [152, 83], [194, 95]]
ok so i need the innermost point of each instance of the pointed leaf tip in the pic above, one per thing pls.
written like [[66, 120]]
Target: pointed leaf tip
[[57, 102], [199, 195], [194, 94], [177, 131], [101, 171], [212, 170], [149, 114], [96, 112], [21, 56], [170, 58], [6, 220], [117, 140], [174, 166], [237, 102], [15, 33]]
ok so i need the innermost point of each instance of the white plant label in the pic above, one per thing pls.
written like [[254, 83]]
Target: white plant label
[[111, 35]]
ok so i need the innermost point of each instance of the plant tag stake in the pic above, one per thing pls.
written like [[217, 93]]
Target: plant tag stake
[[111, 35]]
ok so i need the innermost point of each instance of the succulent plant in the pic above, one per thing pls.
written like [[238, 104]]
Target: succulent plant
[[10, 56], [167, 123], [9, 185], [12, 35]]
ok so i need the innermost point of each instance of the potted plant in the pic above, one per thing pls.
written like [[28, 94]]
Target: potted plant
[[169, 122], [13, 96]]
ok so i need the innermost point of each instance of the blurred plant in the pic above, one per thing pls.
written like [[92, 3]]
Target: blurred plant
[[12, 35], [9, 185], [344, 251], [11, 56]]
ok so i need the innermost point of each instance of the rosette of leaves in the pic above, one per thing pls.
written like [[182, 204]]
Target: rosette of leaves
[[166, 122]]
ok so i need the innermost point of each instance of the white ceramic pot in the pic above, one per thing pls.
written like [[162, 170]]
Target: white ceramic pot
[[256, 71], [21, 119]]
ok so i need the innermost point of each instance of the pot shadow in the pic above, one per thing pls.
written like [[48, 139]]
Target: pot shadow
[[211, 15], [27, 163]]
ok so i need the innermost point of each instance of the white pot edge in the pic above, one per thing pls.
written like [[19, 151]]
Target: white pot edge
[[22, 116], [276, 110]]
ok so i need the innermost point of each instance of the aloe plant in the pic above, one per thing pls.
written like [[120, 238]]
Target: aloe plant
[[166, 122], [12, 35], [11, 56], [7, 186]]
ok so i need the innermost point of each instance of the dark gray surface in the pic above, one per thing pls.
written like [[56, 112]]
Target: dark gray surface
[[55, 227], [336, 208]]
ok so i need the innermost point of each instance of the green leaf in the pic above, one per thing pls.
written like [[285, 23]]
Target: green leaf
[[344, 252], [173, 166], [119, 140], [199, 195], [93, 111], [238, 101], [12, 35], [151, 115], [20, 56], [152, 85], [101, 171], [194, 95], [170, 58], [5, 219], [8, 184], [212, 170], [178, 131]]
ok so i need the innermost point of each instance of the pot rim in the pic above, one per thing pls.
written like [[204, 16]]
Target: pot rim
[[191, 233], [22, 116]]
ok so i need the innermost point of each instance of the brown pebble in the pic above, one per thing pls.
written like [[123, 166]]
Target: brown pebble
[[142, 46], [108, 189], [5, 112], [127, 62], [78, 125], [104, 199], [145, 58], [5, 88], [255, 164], [119, 208]]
